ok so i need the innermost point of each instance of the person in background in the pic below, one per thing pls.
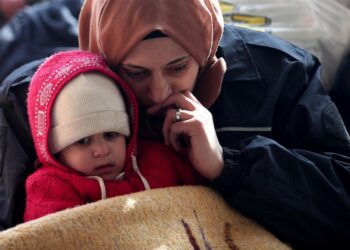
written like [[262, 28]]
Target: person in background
[[247, 107], [8, 8], [86, 148]]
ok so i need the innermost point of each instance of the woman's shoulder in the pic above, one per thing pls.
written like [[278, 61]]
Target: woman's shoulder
[[253, 43], [253, 55]]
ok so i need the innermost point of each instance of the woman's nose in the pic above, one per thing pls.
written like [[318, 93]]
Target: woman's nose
[[100, 148], [160, 89]]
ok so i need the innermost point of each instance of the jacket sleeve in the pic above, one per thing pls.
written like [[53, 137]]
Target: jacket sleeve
[[296, 183], [300, 196], [47, 194]]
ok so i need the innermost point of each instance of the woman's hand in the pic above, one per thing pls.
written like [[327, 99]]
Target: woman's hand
[[193, 131]]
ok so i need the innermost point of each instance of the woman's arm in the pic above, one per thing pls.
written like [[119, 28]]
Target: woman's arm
[[299, 195]]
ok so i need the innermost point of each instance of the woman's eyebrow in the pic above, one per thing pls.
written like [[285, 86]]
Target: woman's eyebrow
[[132, 66], [129, 65], [178, 60]]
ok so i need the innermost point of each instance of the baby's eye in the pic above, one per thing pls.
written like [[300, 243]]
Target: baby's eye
[[110, 135], [83, 141]]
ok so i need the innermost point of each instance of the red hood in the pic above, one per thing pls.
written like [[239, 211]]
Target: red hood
[[50, 78]]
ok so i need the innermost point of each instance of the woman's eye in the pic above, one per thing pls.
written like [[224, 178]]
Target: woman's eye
[[110, 135], [178, 68], [82, 142], [137, 74]]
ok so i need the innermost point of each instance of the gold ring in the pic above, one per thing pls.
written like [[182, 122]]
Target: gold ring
[[178, 115]]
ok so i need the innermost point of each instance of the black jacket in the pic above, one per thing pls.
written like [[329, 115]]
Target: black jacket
[[34, 33], [37, 32], [284, 141]]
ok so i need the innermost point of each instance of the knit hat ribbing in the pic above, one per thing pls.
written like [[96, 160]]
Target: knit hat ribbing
[[91, 103]]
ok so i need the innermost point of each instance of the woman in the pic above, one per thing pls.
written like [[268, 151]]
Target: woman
[[258, 130]]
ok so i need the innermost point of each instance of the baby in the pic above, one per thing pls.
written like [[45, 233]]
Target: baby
[[84, 123]]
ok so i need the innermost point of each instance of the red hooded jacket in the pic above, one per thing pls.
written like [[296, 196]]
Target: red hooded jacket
[[53, 186]]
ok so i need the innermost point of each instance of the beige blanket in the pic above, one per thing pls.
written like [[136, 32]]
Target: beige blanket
[[170, 218]]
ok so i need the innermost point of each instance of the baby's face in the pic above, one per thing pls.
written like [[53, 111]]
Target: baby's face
[[100, 154]]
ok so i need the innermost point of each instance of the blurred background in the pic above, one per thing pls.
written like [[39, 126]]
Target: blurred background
[[319, 26]]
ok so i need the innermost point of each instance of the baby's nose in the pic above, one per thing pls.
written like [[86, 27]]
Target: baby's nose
[[100, 149]]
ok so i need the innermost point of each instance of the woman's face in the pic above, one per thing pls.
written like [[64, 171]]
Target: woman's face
[[158, 67]]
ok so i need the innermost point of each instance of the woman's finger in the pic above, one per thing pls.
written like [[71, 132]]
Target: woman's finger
[[184, 101], [180, 135], [190, 95], [173, 116], [201, 144]]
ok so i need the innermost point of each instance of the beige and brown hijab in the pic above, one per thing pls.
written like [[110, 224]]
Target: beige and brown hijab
[[113, 28]]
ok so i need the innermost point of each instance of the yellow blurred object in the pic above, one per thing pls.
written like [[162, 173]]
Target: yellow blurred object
[[227, 7], [232, 15], [250, 19]]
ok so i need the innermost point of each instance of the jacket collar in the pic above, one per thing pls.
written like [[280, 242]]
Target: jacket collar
[[239, 61]]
